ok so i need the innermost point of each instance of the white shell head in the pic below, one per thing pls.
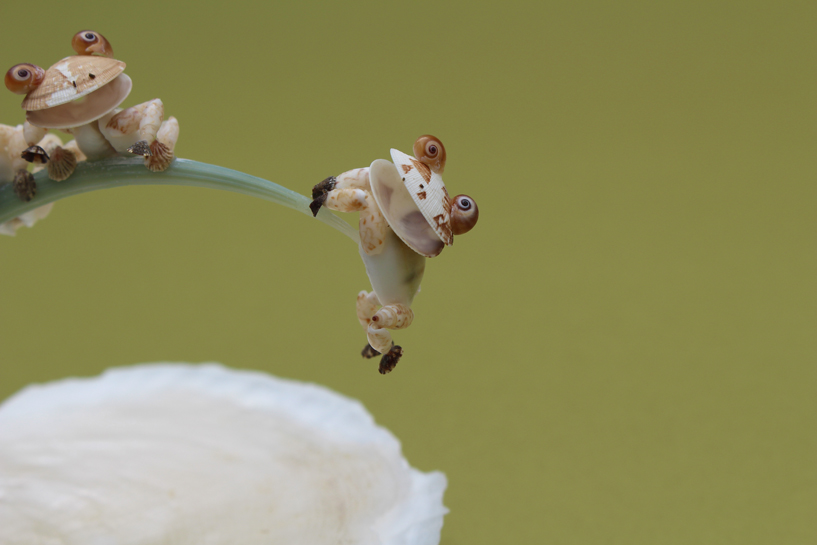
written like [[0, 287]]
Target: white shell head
[[414, 200], [74, 91], [399, 209], [423, 183]]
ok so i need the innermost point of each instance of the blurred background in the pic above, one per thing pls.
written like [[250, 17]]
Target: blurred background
[[622, 351]]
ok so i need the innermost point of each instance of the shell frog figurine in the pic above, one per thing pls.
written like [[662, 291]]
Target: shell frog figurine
[[80, 95], [406, 215]]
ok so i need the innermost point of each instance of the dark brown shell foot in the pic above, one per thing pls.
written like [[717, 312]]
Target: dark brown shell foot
[[24, 185], [390, 359], [140, 148], [62, 164], [35, 154], [160, 157], [369, 352], [319, 193]]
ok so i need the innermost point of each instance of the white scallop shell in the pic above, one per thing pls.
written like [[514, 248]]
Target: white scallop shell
[[72, 78], [400, 210], [428, 192], [81, 112]]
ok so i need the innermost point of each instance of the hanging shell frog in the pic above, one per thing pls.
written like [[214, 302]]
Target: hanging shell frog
[[80, 95], [406, 215]]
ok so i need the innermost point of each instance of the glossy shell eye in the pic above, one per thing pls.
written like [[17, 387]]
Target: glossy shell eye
[[464, 214], [88, 42], [463, 202], [429, 150], [24, 78]]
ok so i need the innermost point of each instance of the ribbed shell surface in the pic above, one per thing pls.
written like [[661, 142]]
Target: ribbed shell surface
[[428, 192], [72, 78]]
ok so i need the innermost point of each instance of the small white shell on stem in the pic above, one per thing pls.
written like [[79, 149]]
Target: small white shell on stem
[[12, 144]]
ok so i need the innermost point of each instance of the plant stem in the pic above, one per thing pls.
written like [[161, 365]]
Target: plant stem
[[120, 172]]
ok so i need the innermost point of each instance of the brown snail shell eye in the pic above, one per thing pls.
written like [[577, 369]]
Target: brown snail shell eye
[[88, 42], [464, 214], [429, 150], [23, 78]]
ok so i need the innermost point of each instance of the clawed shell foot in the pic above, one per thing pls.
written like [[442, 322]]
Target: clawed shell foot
[[140, 148], [35, 154], [369, 352], [24, 185], [390, 359], [319, 193], [62, 164], [160, 157]]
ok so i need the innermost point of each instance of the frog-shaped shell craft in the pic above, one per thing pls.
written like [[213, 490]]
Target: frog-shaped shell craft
[[406, 215], [80, 95]]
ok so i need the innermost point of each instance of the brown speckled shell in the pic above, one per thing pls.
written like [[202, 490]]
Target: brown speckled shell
[[160, 158], [62, 164], [72, 78], [428, 191]]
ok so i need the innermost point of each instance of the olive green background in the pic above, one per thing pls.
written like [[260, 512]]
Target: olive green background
[[622, 351]]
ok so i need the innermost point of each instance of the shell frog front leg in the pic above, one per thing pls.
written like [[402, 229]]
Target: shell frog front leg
[[140, 130], [350, 192]]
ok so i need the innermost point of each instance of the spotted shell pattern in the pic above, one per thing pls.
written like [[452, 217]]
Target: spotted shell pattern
[[72, 78], [428, 192]]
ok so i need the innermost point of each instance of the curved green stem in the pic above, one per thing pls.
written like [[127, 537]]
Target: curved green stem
[[120, 172]]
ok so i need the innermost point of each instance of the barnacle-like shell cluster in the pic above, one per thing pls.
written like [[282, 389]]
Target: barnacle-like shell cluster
[[13, 170]]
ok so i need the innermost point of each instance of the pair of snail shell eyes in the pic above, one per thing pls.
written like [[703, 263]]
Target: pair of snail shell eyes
[[431, 152], [23, 78]]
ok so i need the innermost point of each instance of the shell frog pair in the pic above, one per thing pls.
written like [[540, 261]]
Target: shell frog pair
[[81, 95], [406, 215]]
